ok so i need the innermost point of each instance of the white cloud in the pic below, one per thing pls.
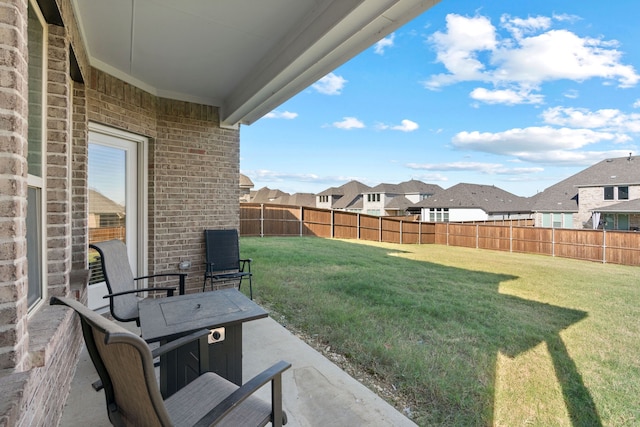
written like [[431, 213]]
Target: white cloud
[[636, 104], [349, 123], [331, 84], [485, 168], [608, 119], [404, 126], [384, 43], [506, 96], [517, 141], [471, 49], [275, 114]]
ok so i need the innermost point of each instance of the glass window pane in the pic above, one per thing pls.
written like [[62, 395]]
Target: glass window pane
[[107, 191], [623, 193], [608, 193], [34, 245], [36, 43]]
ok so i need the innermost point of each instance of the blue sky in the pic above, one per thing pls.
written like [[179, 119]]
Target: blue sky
[[516, 94]]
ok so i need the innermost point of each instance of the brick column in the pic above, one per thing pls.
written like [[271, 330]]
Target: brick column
[[58, 159], [13, 184], [79, 179]]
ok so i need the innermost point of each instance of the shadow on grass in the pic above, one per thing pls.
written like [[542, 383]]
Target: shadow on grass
[[434, 330]]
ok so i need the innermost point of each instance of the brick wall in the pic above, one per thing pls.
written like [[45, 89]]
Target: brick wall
[[193, 169], [13, 185]]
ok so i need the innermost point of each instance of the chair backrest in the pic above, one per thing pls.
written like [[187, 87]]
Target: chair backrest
[[119, 278], [222, 250], [125, 366]]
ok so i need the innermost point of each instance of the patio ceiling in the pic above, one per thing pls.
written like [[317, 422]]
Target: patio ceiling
[[244, 56]]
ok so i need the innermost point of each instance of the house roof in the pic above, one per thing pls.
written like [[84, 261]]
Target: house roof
[[408, 187], [296, 199], [101, 204], [489, 198], [351, 194], [266, 195], [628, 206], [399, 203], [244, 56], [563, 196], [245, 182]]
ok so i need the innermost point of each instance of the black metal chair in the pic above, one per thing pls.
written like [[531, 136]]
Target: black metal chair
[[124, 362], [123, 299], [223, 261]]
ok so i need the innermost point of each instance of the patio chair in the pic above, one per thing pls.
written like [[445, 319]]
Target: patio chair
[[223, 261], [124, 362], [123, 299]]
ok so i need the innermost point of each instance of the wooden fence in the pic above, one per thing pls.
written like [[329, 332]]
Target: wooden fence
[[616, 247]]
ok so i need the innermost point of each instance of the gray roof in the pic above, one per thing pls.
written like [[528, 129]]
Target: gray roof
[[100, 204], [489, 198], [408, 187], [266, 195], [398, 202], [296, 199], [628, 206], [350, 193], [563, 196]]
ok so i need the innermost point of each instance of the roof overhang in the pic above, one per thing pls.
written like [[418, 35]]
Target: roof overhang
[[244, 56]]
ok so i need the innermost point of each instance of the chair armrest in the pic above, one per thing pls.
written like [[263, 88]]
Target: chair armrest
[[273, 373], [169, 291], [182, 278], [177, 343]]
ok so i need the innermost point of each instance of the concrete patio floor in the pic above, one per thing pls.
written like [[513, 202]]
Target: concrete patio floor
[[315, 390]]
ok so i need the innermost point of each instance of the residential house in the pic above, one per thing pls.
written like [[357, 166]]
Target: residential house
[[603, 195], [472, 202], [163, 88], [245, 188], [347, 197], [266, 195], [395, 199], [297, 199]]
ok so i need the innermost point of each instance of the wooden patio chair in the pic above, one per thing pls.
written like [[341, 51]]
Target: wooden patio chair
[[124, 362], [223, 261], [123, 298]]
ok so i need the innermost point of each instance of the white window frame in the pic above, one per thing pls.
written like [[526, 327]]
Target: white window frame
[[39, 182]]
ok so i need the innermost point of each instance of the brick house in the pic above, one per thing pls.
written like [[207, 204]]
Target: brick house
[[166, 83], [601, 196]]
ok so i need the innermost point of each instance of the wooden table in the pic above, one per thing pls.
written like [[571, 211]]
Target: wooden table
[[165, 319]]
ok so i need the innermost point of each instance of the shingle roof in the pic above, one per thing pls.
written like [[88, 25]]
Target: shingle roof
[[351, 193], [563, 196], [266, 195], [296, 199], [631, 206], [100, 204], [489, 198], [398, 202], [408, 187]]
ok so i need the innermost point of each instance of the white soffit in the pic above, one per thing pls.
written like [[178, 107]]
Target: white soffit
[[244, 56]]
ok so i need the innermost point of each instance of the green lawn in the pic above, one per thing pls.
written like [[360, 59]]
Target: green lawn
[[470, 337]]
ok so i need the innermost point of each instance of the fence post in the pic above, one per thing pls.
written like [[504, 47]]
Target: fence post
[[358, 226], [301, 220], [604, 245], [553, 241], [447, 230], [400, 231], [261, 219], [332, 222], [380, 228], [511, 237], [477, 236]]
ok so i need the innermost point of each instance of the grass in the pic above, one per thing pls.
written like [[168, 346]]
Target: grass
[[470, 337]]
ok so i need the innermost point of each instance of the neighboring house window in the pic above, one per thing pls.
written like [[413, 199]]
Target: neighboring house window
[[608, 193], [439, 214], [324, 199], [37, 35], [623, 193]]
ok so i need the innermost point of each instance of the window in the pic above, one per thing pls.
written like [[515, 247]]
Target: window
[[623, 193], [36, 192], [439, 214], [608, 193]]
